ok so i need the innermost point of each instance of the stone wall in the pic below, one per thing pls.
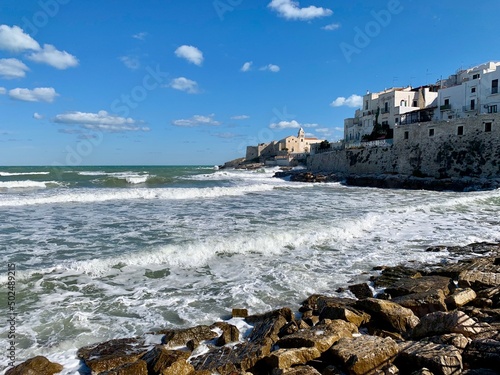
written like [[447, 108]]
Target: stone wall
[[433, 149]]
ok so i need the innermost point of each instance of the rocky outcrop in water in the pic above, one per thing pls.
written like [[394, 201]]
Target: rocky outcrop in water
[[419, 324]]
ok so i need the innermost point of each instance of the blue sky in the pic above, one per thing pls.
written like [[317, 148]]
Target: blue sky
[[169, 82]]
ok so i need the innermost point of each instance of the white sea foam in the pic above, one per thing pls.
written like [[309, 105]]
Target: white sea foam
[[27, 184], [9, 174]]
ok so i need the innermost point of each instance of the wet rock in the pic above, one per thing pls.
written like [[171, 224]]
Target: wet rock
[[112, 354], [180, 337], [161, 361], [483, 353], [286, 358], [36, 366], [322, 336], [300, 370], [389, 315], [492, 294], [423, 303], [439, 359], [440, 323], [311, 303], [239, 313], [423, 371], [390, 275], [422, 284], [341, 308], [364, 354], [230, 333], [361, 290], [135, 368], [478, 280], [460, 297]]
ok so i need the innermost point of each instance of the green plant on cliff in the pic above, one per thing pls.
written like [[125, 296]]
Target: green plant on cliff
[[324, 145]]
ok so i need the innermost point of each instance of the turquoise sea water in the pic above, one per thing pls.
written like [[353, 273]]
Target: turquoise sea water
[[110, 252]]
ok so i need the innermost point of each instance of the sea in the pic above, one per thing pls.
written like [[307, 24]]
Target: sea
[[110, 252]]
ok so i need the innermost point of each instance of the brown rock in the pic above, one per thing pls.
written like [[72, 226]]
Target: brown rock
[[161, 361], [389, 315], [179, 337], [456, 339], [392, 274], [322, 336], [460, 297], [112, 354], [239, 313], [36, 366], [422, 284], [423, 371], [483, 353], [478, 280], [440, 359], [364, 354], [300, 370], [440, 323], [230, 333], [286, 358], [361, 290], [341, 308], [311, 303], [423, 303], [135, 368]]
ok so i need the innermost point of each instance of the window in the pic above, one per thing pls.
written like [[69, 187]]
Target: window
[[447, 102], [385, 122], [403, 103], [366, 105], [487, 127], [493, 109], [415, 103], [386, 107], [397, 120], [407, 135], [473, 90], [476, 76], [460, 130], [473, 104], [431, 132], [494, 86]]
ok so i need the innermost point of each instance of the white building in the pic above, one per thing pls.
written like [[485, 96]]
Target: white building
[[389, 108], [470, 92]]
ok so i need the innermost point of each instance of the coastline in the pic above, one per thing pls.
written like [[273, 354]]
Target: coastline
[[443, 317], [394, 181]]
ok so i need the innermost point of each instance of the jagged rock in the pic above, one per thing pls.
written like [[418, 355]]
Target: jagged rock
[[393, 274], [405, 286], [311, 303], [361, 290], [322, 336], [389, 315], [286, 358], [341, 308], [230, 333], [179, 337], [440, 359], [460, 297], [440, 323], [112, 354], [161, 361], [332, 370], [478, 280], [244, 356], [301, 370], [483, 353], [388, 370], [423, 303], [492, 294], [135, 368], [288, 329], [364, 354], [480, 371], [456, 339], [36, 366]]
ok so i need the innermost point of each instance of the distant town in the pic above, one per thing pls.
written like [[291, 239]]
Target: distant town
[[466, 94]]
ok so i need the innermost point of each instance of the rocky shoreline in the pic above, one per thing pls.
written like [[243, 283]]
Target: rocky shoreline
[[394, 181], [425, 319]]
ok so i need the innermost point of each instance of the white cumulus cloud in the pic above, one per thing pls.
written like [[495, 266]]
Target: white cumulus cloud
[[3, 91], [291, 10], [285, 125], [246, 66], [12, 68], [37, 116], [39, 94], [14, 39], [184, 84], [51, 56], [240, 117], [272, 68], [353, 101], [331, 27], [141, 36], [101, 120], [130, 62], [190, 53], [197, 120]]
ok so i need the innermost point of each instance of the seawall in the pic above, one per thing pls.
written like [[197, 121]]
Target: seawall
[[467, 147]]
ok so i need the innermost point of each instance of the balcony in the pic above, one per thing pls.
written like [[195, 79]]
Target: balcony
[[445, 107], [383, 111], [468, 108]]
